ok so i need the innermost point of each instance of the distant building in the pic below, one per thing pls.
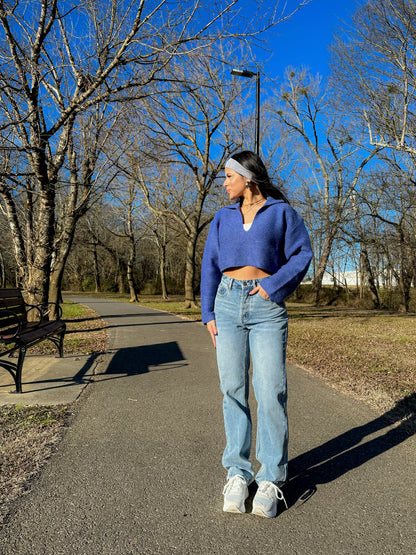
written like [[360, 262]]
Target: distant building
[[351, 278]]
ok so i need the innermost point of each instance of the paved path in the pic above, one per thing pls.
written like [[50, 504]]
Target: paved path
[[139, 470]]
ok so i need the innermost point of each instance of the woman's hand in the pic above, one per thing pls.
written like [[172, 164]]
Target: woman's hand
[[212, 328], [259, 289]]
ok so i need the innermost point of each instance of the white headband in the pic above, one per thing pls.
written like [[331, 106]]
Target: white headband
[[237, 167]]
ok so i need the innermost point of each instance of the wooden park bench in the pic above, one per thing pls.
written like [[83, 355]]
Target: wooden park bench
[[18, 332]]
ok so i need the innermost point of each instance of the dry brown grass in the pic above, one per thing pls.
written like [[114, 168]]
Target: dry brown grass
[[28, 436], [368, 354]]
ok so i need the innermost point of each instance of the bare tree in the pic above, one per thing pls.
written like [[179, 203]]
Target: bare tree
[[390, 200], [2, 271], [110, 228], [334, 160], [126, 207], [186, 134], [373, 70], [159, 230], [373, 66], [61, 59], [361, 235]]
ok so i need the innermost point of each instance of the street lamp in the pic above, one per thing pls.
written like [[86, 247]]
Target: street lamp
[[250, 74]]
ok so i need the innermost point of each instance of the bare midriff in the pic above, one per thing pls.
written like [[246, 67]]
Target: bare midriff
[[246, 272]]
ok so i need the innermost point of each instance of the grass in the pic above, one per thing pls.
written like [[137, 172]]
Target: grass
[[85, 332], [28, 436], [367, 354]]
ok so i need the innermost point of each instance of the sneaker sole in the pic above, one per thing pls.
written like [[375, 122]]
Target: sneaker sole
[[233, 509], [257, 511]]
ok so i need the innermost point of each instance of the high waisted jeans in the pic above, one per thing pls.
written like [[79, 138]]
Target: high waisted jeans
[[251, 325]]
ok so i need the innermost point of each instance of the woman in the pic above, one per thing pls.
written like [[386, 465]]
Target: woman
[[257, 253]]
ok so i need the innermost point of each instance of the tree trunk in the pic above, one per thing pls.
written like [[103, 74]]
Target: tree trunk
[[361, 277], [130, 269], [323, 262], [20, 253], [62, 251], [2, 272], [120, 281], [190, 299], [368, 273], [55, 291], [406, 271], [162, 269], [37, 282], [97, 277]]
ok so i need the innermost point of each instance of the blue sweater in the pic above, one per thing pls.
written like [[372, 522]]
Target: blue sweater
[[277, 242]]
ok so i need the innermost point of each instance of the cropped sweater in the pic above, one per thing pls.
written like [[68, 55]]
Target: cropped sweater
[[277, 242]]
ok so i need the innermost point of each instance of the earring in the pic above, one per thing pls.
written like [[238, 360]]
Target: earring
[[247, 184]]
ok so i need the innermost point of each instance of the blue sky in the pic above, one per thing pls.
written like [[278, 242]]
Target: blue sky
[[304, 39]]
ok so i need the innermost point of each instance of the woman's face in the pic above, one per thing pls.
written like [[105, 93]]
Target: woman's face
[[234, 183]]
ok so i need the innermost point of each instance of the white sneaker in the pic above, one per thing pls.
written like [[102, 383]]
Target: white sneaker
[[235, 493], [266, 499]]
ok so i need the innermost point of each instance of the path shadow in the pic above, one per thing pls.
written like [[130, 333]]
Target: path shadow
[[347, 451], [131, 361], [79, 378]]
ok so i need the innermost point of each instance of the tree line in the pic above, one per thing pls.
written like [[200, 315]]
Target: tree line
[[117, 118]]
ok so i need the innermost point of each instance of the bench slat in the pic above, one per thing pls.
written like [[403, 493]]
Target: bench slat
[[42, 331], [8, 320], [10, 293], [12, 303]]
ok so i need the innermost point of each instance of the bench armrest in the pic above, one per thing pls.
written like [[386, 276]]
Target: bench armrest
[[45, 310], [30, 307]]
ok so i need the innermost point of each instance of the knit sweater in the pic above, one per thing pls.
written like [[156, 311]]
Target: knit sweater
[[277, 242]]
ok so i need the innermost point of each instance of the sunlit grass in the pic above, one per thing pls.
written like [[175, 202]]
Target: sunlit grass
[[362, 352], [22, 416], [85, 333], [72, 310], [174, 306]]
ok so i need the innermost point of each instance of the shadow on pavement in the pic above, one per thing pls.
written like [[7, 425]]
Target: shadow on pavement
[[131, 361], [345, 452], [61, 381], [9, 366]]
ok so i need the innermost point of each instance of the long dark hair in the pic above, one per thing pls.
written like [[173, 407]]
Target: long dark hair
[[252, 162]]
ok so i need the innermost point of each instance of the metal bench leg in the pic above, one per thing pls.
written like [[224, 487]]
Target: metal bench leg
[[18, 376], [61, 344]]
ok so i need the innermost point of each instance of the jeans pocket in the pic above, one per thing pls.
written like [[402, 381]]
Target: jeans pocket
[[263, 298], [222, 290]]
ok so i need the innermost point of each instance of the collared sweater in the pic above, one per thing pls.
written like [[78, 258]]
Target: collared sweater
[[277, 242]]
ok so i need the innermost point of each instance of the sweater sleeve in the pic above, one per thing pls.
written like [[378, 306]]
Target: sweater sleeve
[[210, 272], [297, 254]]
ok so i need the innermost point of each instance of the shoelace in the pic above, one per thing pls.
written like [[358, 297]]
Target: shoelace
[[234, 485], [264, 486]]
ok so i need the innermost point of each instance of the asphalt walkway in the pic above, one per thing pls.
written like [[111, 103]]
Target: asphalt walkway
[[139, 470]]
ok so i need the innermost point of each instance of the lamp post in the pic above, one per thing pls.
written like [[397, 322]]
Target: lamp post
[[250, 74]]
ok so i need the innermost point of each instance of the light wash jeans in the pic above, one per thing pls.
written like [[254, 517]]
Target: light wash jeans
[[249, 324]]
